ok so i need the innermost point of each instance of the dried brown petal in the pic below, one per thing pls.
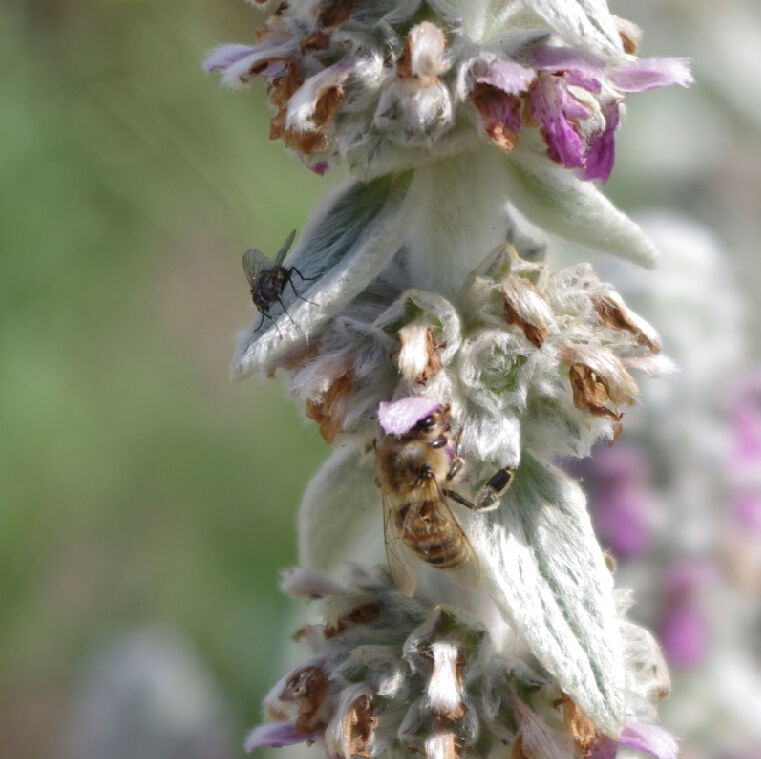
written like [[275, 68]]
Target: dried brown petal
[[526, 308], [590, 393], [314, 41], [361, 615], [498, 132], [610, 561], [613, 314], [518, 751], [630, 33], [360, 725], [308, 687], [418, 357], [533, 334], [284, 87], [404, 61], [585, 735], [334, 12], [327, 413], [314, 140]]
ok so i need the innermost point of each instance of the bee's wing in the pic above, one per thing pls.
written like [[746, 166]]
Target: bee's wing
[[280, 257], [468, 575], [401, 561], [254, 262]]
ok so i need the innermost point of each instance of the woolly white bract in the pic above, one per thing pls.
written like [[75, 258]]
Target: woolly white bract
[[429, 329]]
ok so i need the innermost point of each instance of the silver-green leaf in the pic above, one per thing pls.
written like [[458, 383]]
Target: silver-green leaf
[[555, 199], [544, 569], [587, 24], [348, 243]]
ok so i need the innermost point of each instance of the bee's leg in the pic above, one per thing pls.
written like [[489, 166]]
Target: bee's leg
[[457, 465], [453, 495], [495, 486], [306, 279]]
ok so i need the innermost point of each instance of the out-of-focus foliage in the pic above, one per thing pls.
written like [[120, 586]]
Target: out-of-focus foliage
[[139, 486]]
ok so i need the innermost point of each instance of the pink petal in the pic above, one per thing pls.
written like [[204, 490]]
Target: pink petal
[[577, 67], [224, 56], [601, 147], [399, 417], [651, 738], [508, 76], [650, 73], [684, 634], [551, 104], [276, 734]]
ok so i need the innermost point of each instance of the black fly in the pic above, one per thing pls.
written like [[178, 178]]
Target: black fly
[[269, 278]]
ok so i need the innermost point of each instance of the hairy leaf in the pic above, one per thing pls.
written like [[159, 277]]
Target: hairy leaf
[[542, 565]]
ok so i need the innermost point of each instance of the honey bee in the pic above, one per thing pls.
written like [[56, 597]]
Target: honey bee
[[416, 472], [269, 278]]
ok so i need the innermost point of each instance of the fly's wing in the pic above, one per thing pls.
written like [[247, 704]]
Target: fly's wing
[[254, 263], [401, 560], [280, 257]]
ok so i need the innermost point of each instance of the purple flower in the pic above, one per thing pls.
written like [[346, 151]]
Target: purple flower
[[746, 510], [641, 736], [601, 146], [684, 634], [399, 417], [550, 103], [622, 506], [277, 735], [575, 66], [684, 628], [646, 74]]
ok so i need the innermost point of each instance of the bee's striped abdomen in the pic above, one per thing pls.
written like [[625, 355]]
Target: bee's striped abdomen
[[434, 538]]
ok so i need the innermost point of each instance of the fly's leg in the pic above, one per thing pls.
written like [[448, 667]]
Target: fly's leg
[[285, 310], [265, 315], [305, 279], [293, 287]]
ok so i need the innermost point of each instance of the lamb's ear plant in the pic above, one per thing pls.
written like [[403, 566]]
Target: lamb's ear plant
[[424, 321]]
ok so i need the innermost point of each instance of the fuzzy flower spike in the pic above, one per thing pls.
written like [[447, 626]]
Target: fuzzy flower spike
[[454, 368]]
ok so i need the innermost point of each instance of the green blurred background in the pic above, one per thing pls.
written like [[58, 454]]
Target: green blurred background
[[139, 485]]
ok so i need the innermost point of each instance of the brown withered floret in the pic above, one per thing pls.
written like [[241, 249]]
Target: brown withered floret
[[613, 316], [326, 412], [591, 394], [282, 90], [533, 334], [361, 615], [526, 307], [309, 687], [518, 751], [360, 726], [334, 12], [314, 41], [408, 337], [497, 131], [314, 140], [578, 726]]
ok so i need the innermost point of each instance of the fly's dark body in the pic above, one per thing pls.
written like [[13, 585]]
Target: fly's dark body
[[268, 280]]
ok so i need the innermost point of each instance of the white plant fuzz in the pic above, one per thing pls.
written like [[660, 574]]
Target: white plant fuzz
[[426, 337], [389, 675]]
